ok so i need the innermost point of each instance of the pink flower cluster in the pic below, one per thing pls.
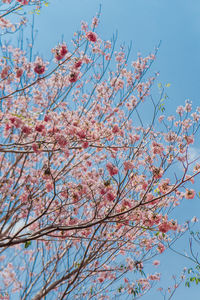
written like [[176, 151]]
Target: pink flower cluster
[[60, 52], [189, 194], [39, 66], [167, 225], [157, 148], [112, 169], [91, 36]]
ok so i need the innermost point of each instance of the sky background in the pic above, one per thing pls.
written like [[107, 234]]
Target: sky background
[[144, 22]]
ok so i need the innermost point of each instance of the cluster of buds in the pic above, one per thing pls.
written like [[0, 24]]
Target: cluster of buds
[[39, 66], [24, 2], [60, 52], [91, 36]]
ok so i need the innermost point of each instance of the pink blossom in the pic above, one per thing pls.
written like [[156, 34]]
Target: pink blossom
[[78, 64], [95, 22], [39, 127], [128, 165], [39, 69], [194, 220], [17, 122], [180, 110], [91, 36], [154, 277], [26, 129], [73, 77], [49, 186], [163, 227], [19, 73], [60, 52], [115, 128], [4, 72], [189, 194], [47, 118], [81, 133], [161, 118], [156, 262], [84, 26], [188, 106], [157, 172], [112, 169], [161, 248], [126, 203], [63, 50], [35, 147], [107, 57], [171, 118], [166, 226], [164, 186], [195, 116], [173, 225], [61, 140], [24, 2], [85, 145], [149, 197], [110, 196], [157, 148], [189, 139]]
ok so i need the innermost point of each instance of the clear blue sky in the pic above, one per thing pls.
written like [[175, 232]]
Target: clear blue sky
[[144, 22]]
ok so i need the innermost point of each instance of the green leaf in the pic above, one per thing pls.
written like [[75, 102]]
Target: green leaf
[[190, 270], [168, 84], [165, 96], [187, 284], [162, 109], [27, 244], [77, 264]]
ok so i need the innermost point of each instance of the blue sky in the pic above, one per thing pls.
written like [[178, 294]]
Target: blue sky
[[144, 22]]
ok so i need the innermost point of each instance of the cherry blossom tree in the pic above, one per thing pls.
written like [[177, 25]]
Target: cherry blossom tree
[[90, 167]]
